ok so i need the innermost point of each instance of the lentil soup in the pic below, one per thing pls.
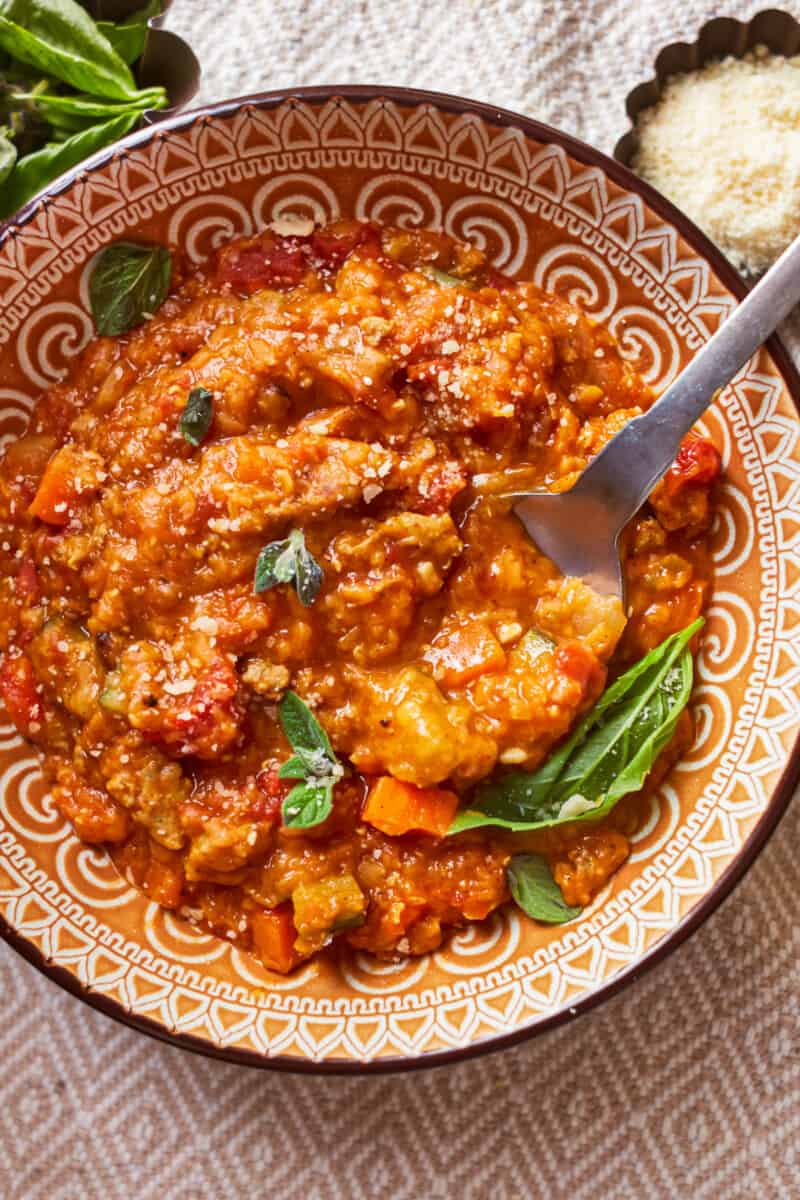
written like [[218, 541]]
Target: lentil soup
[[372, 394]]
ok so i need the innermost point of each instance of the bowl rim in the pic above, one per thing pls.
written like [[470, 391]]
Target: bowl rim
[[783, 790]]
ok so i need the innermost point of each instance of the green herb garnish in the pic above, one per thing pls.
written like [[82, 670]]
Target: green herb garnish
[[536, 892], [129, 37], [313, 761], [65, 92], [60, 39], [197, 415], [609, 755], [128, 284], [288, 561], [8, 155], [31, 172]]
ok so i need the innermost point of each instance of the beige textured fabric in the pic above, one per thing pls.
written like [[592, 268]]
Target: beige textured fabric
[[687, 1084]]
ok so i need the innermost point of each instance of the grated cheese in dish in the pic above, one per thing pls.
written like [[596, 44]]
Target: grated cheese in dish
[[723, 143]]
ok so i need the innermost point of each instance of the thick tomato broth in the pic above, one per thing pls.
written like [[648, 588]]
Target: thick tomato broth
[[380, 390]]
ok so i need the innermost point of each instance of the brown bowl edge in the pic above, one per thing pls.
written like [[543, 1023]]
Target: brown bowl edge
[[784, 789]]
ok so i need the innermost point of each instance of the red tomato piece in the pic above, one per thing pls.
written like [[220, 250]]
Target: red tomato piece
[[263, 262], [18, 690], [698, 461], [27, 582], [267, 807], [577, 661]]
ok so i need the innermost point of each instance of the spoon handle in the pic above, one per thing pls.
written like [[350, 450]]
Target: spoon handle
[[630, 466]]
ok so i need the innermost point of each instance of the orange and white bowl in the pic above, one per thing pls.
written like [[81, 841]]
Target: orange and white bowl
[[544, 207]]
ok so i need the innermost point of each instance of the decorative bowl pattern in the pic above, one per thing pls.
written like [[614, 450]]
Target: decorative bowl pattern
[[543, 206]]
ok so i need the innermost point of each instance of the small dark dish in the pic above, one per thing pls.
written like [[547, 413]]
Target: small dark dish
[[167, 59]]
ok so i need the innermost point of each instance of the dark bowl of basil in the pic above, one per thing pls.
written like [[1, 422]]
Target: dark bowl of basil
[[76, 76]]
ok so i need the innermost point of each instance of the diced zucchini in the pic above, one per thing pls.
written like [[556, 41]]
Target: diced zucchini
[[327, 907], [533, 645], [67, 658], [112, 696], [443, 278]]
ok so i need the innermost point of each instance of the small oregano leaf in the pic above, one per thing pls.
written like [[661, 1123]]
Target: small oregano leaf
[[197, 415], [313, 762], [289, 561], [307, 804], [129, 283], [536, 892]]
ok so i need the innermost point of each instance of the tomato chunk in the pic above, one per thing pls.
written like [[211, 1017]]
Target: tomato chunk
[[94, 815], [273, 938], [18, 690], [577, 661], [698, 461], [397, 808], [267, 261], [27, 582]]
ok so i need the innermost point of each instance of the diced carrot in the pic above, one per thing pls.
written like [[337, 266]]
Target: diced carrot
[[396, 808], [57, 490], [463, 652], [273, 938], [18, 692]]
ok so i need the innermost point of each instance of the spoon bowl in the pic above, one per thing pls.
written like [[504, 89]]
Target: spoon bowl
[[580, 529]]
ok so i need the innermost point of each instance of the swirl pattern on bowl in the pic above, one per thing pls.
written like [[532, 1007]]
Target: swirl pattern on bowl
[[548, 215]]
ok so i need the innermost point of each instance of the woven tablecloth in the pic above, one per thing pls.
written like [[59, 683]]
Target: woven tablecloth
[[687, 1084]]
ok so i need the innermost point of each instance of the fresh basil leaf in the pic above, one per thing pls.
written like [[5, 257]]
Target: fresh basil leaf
[[536, 892], [197, 415], [35, 170], [307, 804], [59, 38], [303, 730], [609, 755], [8, 156], [83, 107], [289, 561], [128, 37], [127, 40], [129, 283]]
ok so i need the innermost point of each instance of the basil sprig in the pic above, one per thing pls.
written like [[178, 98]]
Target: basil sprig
[[128, 284], [197, 415], [536, 892], [609, 755], [60, 39], [128, 38], [288, 561], [313, 762], [48, 47], [30, 172]]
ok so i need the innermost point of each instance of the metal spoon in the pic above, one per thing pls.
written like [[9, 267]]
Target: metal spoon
[[580, 529]]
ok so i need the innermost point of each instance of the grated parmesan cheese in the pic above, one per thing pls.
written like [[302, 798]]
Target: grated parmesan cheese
[[723, 144]]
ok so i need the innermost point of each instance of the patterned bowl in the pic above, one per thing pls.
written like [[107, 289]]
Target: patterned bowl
[[545, 206]]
